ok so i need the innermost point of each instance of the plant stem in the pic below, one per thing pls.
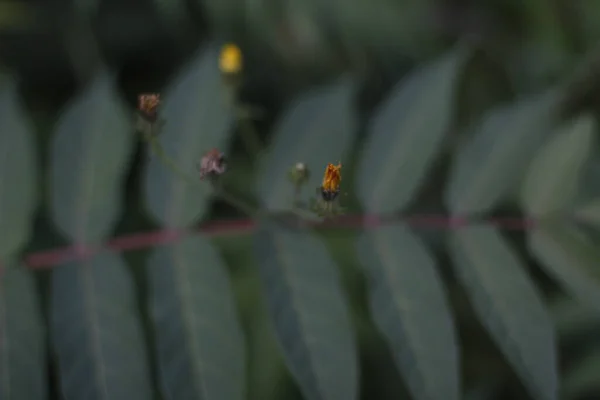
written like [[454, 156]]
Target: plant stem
[[297, 191], [166, 160], [233, 201], [218, 189], [251, 211]]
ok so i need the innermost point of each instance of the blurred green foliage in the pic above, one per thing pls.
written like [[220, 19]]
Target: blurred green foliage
[[479, 113]]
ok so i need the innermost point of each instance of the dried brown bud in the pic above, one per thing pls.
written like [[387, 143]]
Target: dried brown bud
[[212, 164], [148, 105]]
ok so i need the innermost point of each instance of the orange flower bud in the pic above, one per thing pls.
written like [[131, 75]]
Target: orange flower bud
[[330, 188]]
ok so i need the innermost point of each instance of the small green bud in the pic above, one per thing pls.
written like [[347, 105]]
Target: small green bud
[[299, 174]]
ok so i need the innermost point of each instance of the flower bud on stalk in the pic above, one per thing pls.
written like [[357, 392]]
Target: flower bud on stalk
[[212, 164], [328, 192], [299, 174], [231, 65], [148, 106], [147, 121], [330, 188]]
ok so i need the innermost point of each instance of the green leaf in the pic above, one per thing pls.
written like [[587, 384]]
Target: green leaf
[[407, 134], [390, 31], [574, 320], [552, 181], [582, 377], [318, 128], [570, 258], [23, 363], [508, 305], [309, 313], [96, 333], [590, 213], [89, 155], [492, 163], [197, 118], [267, 368], [18, 173], [409, 306], [199, 343]]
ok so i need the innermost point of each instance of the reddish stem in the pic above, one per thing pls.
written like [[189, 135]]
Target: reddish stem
[[49, 258]]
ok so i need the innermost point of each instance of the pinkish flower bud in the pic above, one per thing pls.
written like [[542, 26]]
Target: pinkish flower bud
[[212, 164]]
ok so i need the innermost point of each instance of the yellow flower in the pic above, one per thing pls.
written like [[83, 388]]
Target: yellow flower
[[330, 188], [230, 60]]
